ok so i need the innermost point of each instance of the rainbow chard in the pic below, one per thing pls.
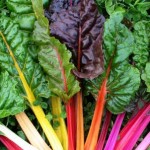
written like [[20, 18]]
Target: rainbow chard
[[55, 60], [120, 80], [84, 27], [16, 59]]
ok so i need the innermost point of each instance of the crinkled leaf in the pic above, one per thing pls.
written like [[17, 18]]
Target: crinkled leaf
[[142, 42], [146, 76], [80, 27], [17, 40], [143, 7], [22, 13], [123, 82], [118, 40], [55, 59], [11, 101], [112, 6], [123, 79]]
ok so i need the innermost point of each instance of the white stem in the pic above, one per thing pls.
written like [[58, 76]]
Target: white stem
[[16, 139]]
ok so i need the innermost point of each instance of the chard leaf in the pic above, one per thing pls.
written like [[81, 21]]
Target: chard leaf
[[83, 28], [15, 59], [123, 80], [122, 84], [54, 58], [142, 41], [118, 40], [22, 13], [143, 7], [146, 76], [11, 101]]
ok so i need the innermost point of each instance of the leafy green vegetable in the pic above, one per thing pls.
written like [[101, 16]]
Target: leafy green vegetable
[[18, 41], [12, 103], [146, 76], [123, 82], [54, 58], [142, 43], [22, 13], [123, 79]]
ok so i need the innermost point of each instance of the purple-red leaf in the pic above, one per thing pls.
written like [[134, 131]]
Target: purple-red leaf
[[80, 27]]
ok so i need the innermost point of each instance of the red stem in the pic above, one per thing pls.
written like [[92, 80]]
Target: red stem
[[9, 144], [104, 131], [71, 124]]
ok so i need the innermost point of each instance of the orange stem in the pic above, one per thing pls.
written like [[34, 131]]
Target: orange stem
[[92, 137], [80, 128]]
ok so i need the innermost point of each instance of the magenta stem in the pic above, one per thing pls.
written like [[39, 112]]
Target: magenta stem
[[114, 132]]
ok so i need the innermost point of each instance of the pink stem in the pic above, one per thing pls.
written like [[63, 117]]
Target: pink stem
[[145, 143], [104, 131], [114, 132]]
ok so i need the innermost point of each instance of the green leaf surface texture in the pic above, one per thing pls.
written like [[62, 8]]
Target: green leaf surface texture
[[22, 13], [124, 79], [18, 41], [54, 58], [11, 101], [142, 42], [146, 76], [122, 84], [118, 40]]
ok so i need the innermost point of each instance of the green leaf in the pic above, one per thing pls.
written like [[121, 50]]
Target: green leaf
[[11, 101], [22, 12], [142, 41], [122, 84], [118, 40], [18, 42], [54, 58], [143, 7], [146, 76]]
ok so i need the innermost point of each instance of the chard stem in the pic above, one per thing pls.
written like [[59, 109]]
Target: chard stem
[[71, 123], [104, 131], [80, 128], [145, 143], [16, 139], [61, 130], [114, 132], [30, 131]]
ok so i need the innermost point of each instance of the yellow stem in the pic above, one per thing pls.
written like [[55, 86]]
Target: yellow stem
[[38, 111], [61, 130]]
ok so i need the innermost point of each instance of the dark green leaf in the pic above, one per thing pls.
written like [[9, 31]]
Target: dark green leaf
[[11, 101], [146, 76], [123, 82], [18, 41], [142, 42], [118, 40]]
